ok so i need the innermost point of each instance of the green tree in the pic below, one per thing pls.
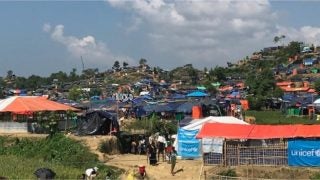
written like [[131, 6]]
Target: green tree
[[60, 76], [21, 83], [75, 93], [34, 82], [73, 75], [142, 62], [49, 121], [116, 66], [277, 39], [316, 85], [125, 65], [218, 74], [277, 92], [90, 73]]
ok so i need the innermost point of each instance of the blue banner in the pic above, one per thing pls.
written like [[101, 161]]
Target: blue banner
[[188, 145], [304, 153]]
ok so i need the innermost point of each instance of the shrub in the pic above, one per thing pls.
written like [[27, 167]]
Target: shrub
[[109, 146], [228, 172], [67, 157], [315, 176], [57, 148]]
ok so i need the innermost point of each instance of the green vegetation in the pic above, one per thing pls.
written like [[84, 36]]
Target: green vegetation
[[68, 158], [315, 176], [153, 124], [228, 172], [277, 117]]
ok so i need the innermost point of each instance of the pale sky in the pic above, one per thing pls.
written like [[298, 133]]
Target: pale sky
[[41, 38]]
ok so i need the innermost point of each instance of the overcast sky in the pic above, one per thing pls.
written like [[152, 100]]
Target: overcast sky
[[45, 37]]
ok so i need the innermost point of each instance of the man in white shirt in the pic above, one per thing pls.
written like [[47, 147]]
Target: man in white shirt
[[91, 173]]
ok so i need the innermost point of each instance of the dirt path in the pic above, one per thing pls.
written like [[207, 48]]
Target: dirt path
[[185, 169]]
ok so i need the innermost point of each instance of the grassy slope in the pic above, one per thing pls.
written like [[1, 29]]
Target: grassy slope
[[276, 117], [15, 167], [19, 158]]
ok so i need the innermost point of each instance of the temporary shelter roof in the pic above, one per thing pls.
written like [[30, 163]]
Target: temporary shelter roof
[[272, 131], [187, 134], [238, 131], [30, 104], [197, 123], [197, 94], [187, 106]]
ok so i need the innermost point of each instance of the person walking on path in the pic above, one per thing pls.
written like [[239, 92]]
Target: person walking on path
[[152, 153], [173, 160]]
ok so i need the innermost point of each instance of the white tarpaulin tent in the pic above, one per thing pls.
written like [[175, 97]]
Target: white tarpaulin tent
[[196, 125]]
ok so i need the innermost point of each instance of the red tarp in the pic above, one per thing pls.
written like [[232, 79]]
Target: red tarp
[[238, 131], [308, 131], [272, 131], [229, 131]]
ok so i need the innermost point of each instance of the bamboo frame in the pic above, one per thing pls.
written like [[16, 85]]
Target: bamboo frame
[[237, 153]]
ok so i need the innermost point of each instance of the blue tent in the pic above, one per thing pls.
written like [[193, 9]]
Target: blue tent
[[141, 99], [197, 94], [157, 108], [177, 96]]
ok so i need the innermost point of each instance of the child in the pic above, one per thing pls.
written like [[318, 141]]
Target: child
[[173, 160], [142, 171]]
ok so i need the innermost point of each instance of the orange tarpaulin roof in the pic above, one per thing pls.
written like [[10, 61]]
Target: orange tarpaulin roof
[[308, 131], [30, 104], [272, 131], [238, 131], [221, 130]]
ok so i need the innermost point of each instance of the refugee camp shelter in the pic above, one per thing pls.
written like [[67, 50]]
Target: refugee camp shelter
[[31, 104], [98, 123], [186, 143], [262, 145], [17, 112]]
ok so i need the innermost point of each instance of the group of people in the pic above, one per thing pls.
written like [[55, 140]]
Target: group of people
[[159, 146], [138, 147], [156, 147]]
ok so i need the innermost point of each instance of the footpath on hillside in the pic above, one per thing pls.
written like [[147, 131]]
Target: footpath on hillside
[[184, 169]]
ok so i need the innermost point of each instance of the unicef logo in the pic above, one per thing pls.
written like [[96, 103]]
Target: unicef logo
[[306, 153], [317, 152]]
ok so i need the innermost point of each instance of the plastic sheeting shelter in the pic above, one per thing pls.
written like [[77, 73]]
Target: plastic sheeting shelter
[[238, 131], [31, 104], [186, 143], [98, 123], [186, 107]]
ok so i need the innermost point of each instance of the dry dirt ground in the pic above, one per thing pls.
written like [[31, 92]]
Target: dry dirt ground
[[185, 169]]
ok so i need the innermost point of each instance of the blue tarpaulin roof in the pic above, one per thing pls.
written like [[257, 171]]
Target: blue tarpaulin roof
[[186, 107], [197, 94], [177, 96]]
